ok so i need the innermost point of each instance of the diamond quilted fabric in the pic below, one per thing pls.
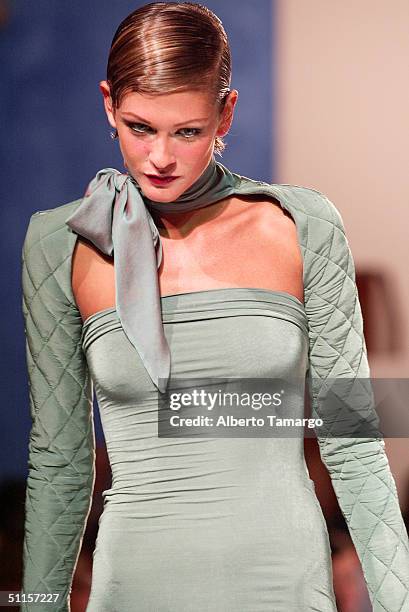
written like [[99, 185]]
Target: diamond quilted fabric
[[62, 444]]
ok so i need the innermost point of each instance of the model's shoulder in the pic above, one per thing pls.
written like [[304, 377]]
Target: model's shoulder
[[45, 222], [56, 215], [308, 203], [313, 203]]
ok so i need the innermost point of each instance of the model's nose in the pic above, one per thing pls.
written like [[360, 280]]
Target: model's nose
[[161, 156]]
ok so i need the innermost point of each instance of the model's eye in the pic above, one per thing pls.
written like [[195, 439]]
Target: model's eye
[[191, 132], [140, 128]]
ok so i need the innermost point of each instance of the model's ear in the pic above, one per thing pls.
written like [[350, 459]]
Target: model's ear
[[227, 113], [110, 112]]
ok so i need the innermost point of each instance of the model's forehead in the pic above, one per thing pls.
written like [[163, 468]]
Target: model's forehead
[[186, 104]]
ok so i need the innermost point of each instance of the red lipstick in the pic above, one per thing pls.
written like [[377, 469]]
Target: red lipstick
[[160, 180]]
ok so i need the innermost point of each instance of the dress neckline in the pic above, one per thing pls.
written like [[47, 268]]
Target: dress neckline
[[165, 299]]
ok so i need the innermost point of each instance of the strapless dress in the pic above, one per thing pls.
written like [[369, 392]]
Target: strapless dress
[[193, 524]]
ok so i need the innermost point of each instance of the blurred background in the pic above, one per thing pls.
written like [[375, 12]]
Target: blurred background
[[323, 98]]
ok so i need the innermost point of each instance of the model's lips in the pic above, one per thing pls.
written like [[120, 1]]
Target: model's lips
[[160, 180]]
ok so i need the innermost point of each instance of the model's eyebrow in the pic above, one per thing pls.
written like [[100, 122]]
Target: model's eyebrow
[[142, 120]]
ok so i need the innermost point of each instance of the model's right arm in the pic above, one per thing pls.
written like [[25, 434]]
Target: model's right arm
[[61, 459]]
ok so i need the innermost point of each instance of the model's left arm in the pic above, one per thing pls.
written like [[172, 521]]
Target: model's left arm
[[358, 466]]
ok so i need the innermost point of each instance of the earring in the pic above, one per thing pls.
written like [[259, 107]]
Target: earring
[[114, 134]]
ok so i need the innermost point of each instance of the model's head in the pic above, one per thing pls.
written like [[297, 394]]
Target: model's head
[[167, 93]]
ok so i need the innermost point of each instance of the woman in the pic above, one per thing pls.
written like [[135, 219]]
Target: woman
[[181, 268]]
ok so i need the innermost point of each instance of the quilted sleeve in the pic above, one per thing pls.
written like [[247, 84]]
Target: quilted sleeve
[[62, 440], [358, 466]]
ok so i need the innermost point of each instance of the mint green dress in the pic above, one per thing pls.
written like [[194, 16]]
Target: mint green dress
[[206, 523], [222, 525]]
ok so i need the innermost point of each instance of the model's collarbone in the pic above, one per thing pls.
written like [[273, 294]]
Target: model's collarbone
[[252, 246], [219, 218]]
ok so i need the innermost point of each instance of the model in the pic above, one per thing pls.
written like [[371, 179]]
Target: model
[[181, 268]]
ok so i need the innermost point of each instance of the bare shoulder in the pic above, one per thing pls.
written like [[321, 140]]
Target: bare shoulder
[[93, 283], [265, 218], [86, 256], [267, 215], [269, 206], [269, 232]]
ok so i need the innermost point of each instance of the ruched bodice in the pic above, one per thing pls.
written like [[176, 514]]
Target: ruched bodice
[[226, 302], [201, 524]]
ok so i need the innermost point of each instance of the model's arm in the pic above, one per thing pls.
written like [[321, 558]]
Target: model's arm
[[358, 466], [61, 446]]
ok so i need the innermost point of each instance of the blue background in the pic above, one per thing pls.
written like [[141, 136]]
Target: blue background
[[55, 136]]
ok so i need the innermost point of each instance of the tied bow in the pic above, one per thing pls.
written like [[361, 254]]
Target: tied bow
[[113, 216]]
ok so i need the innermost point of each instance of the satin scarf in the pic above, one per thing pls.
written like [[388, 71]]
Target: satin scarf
[[115, 216]]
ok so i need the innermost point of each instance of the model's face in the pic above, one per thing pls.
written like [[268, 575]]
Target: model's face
[[169, 135]]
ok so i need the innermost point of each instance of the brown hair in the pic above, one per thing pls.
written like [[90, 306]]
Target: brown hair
[[165, 47]]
